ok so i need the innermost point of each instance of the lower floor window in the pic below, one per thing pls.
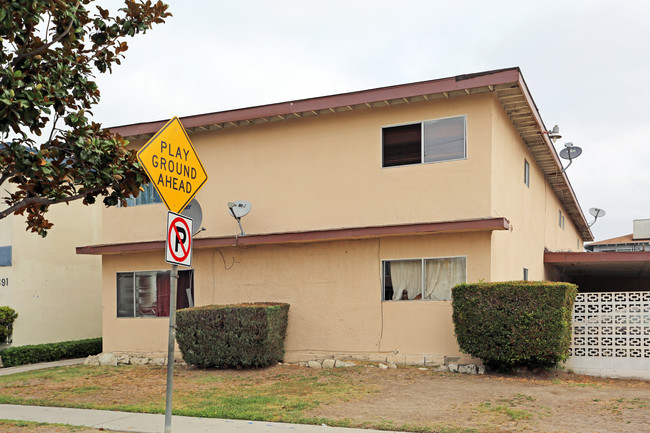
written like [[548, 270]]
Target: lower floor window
[[146, 294], [430, 279]]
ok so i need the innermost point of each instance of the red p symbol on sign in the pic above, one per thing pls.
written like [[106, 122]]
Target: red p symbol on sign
[[178, 249]]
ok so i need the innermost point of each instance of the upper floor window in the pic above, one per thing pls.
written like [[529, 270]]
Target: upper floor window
[[148, 196], [429, 279], [560, 220], [526, 173], [424, 142]]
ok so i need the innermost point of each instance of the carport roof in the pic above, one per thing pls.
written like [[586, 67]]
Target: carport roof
[[635, 264]]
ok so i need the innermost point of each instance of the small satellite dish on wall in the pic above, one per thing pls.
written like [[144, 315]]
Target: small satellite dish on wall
[[570, 152], [596, 213], [239, 209], [193, 210]]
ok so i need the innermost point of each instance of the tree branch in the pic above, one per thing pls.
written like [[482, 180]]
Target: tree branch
[[31, 201], [47, 45], [4, 177]]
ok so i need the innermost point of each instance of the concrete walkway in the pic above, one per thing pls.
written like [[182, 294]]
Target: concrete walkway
[[149, 423], [41, 365]]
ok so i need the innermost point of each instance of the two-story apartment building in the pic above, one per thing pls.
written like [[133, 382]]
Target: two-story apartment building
[[367, 207]]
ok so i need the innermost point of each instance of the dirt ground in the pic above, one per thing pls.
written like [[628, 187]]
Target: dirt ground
[[543, 402], [557, 402]]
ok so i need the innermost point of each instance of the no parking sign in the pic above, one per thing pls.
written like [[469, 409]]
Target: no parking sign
[[178, 248]]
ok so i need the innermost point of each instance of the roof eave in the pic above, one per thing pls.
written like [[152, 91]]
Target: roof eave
[[479, 224], [364, 99]]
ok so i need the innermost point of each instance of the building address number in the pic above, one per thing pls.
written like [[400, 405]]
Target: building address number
[[4, 282]]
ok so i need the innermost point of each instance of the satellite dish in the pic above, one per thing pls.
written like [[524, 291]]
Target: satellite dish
[[193, 210], [570, 152], [596, 213], [239, 209]]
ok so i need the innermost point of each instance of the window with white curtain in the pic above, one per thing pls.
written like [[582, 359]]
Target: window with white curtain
[[426, 279]]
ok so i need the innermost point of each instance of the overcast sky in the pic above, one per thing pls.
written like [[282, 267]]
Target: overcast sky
[[586, 63]]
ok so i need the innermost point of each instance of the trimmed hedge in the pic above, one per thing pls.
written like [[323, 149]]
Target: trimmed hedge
[[226, 336], [514, 323], [13, 356]]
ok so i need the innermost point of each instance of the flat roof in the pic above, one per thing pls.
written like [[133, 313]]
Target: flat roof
[[507, 84]]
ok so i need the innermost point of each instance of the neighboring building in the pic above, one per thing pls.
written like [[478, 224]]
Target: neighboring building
[[638, 240], [56, 293], [360, 200]]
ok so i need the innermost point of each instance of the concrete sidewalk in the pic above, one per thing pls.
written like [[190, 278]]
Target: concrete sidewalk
[[41, 365], [149, 423]]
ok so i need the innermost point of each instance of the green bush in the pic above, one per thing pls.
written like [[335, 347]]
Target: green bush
[[226, 336], [515, 323], [7, 317], [20, 355]]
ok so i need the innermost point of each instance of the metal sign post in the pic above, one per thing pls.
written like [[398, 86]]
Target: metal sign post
[[178, 251], [175, 170], [170, 348]]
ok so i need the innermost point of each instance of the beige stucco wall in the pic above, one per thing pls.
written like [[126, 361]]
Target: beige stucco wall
[[334, 289], [325, 172], [56, 292], [6, 272], [532, 210], [131, 334]]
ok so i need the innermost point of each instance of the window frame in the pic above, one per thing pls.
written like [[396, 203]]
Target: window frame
[[422, 141], [6, 255], [133, 273], [526, 173], [149, 192], [382, 292]]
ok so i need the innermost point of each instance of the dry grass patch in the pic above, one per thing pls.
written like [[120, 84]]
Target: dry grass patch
[[405, 398]]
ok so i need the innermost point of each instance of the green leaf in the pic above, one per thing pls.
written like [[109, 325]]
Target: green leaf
[[60, 80]]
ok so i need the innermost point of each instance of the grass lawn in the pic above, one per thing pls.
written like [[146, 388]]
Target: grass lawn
[[280, 394], [406, 399], [8, 426]]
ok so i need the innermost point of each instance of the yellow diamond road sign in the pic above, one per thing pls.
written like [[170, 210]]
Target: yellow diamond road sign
[[173, 166]]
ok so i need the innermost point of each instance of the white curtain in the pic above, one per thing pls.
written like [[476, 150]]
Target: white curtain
[[145, 289], [406, 275], [442, 275]]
